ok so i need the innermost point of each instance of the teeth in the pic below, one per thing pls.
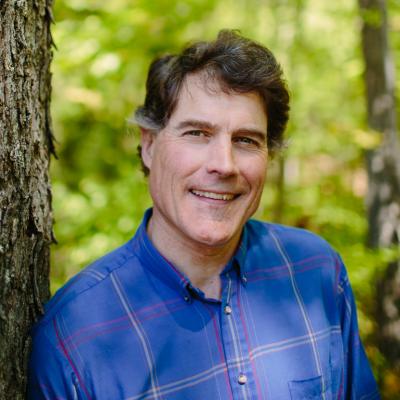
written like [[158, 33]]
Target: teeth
[[211, 195]]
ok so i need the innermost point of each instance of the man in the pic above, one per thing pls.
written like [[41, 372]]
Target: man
[[204, 303]]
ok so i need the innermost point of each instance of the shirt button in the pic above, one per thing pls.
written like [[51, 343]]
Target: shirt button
[[186, 298], [242, 379], [228, 310], [244, 279]]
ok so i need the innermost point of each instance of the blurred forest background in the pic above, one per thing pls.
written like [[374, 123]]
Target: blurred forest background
[[320, 182]]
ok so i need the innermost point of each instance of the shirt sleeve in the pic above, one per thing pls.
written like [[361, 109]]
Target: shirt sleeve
[[358, 380], [49, 374]]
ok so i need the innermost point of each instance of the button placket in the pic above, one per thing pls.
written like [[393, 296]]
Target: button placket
[[235, 345]]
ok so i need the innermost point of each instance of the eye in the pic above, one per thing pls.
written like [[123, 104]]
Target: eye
[[195, 132], [196, 135], [248, 141]]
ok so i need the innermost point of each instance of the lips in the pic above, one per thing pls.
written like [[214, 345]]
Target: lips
[[213, 195]]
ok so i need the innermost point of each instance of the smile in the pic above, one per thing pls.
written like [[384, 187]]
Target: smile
[[214, 196]]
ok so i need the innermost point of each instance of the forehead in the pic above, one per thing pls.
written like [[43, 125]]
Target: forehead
[[204, 97]]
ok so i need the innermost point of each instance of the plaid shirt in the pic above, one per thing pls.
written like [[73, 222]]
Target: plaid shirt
[[131, 326]]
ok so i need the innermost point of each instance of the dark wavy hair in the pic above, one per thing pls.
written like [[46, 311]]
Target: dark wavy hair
[[237, 63]]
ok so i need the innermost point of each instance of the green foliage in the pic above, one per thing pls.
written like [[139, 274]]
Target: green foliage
[[99, 70]]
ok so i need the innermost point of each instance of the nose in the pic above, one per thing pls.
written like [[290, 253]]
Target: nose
[[221, 158]]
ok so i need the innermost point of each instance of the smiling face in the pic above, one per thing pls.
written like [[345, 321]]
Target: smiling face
[[207, 166]]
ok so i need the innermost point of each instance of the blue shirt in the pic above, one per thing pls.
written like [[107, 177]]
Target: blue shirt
[[131, 326]]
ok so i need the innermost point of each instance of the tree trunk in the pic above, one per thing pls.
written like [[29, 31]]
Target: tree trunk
[[383, 166], [25, 197]]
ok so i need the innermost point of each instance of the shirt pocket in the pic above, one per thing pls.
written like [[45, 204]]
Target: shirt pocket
[[309, 389]]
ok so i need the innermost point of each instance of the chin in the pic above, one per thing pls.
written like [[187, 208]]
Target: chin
[[214, 239]]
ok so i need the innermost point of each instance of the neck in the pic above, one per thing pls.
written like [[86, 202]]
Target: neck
[[201, 263]]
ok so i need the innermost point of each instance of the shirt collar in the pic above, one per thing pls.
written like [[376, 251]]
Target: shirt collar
[[166, 271], [240, 255]]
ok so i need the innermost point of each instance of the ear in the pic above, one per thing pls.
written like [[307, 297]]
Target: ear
[[147, 139]]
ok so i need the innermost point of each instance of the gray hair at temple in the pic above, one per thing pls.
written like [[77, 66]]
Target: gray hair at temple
[[238, 64]]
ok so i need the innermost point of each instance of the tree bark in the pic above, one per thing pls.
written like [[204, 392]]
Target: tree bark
[[383, 166], [25, 196]]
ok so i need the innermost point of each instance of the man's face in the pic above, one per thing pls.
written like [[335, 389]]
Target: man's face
[[208, 165]]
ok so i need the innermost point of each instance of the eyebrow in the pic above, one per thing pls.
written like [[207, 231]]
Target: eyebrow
[[195, 123], [199, 124]]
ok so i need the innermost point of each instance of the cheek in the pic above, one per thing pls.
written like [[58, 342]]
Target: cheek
[[255, 174], [170, 165], [181, 161]]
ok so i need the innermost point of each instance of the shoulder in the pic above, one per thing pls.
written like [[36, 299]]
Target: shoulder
[[85, 290], [282, 252], [273, 246], [289, 239]]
